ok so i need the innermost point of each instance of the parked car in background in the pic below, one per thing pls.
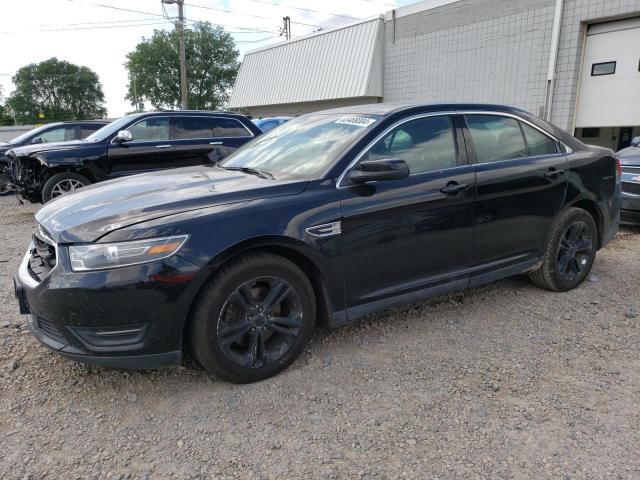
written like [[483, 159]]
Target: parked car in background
[[49, 133], [630, 159], [335, 215], [269, 123], [142, 142]]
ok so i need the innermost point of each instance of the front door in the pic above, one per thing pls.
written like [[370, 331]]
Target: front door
[[521, 186], [151, 148], [403, 237]]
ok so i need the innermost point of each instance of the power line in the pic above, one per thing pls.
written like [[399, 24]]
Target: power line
[[305, 9], [245, 14], [148, 23]]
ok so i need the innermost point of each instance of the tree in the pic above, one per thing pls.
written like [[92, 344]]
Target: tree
[[5, 117], [154, 68], [59, 89]]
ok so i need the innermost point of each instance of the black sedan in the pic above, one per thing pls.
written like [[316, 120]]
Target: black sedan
[[327, 218], [630, 159]]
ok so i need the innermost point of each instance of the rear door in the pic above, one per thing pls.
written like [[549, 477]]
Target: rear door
[[193, 140], [521, 186], [229, 134], [152, 148]]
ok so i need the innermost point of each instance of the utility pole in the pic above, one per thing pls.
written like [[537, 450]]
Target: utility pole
[[286, 28], [183, 56]]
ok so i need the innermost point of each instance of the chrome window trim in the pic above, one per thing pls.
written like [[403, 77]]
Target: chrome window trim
[[519, 118], [355, 161]]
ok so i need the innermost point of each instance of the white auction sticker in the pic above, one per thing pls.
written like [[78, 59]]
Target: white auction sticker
[[356, 120]]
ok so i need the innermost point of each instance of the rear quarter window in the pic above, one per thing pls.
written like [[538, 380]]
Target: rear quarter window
[[230, 127]]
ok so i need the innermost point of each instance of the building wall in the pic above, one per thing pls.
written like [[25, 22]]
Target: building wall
[[576, 15], [492, 51], [475, 50], [295, 109]]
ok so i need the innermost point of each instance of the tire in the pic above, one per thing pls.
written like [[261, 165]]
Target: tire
[[234, 332], [569, 253], [5, 189], [62, 183]]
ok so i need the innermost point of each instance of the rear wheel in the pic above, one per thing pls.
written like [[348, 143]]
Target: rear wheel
[[61, 184], [569, 253], [253, 318]]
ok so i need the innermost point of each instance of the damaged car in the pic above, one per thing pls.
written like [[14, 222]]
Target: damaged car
[[138, 143]]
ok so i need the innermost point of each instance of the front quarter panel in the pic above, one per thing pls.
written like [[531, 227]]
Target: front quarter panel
[[219, 233]]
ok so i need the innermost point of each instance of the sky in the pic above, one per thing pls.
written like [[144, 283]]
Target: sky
[[99, 33]]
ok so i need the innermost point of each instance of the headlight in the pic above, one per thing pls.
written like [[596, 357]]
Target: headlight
[[111, 255]]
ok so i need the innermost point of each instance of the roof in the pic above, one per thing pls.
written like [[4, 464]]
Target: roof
[[389, 108], [344, 62]]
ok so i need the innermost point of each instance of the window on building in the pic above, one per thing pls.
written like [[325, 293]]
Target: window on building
[[496, 138], [605, 68], [590, 132], [537, 142], [425, 144]]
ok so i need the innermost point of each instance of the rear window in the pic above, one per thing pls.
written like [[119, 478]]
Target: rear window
[[229, 127], [86, 130], [496, 138], [193, 127]]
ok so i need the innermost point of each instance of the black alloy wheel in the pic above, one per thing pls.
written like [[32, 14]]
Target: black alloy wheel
[[574, 251], [569, 252], [259, 322], [253, 318]]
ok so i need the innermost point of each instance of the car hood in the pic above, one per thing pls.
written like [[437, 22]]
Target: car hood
[[629, 156], [92, 212], [47, 147]]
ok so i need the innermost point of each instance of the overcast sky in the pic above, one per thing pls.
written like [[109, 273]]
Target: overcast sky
[[97, 34]]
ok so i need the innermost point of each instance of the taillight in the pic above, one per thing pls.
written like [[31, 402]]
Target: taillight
[[618, 169]]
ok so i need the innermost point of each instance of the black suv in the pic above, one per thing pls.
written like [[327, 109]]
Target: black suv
[[136, 143], [49, 133], [326, 218]]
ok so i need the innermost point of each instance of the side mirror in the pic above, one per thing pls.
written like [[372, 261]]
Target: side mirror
[[124, 136], [635, 142], [37, 140], [379, 170]]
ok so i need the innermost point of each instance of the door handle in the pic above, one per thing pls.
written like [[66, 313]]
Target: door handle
[[215, 143], [454, 188], [552, 174], [163, 146]]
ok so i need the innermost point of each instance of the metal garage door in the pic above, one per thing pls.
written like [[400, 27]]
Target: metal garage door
[[609, 96]]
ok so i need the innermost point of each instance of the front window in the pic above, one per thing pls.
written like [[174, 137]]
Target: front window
[[425, 144], [151, 129], [61, 134], [304, 147], [111, 129]]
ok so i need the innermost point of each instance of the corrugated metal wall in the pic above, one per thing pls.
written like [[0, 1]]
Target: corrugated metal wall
[[341, 63]]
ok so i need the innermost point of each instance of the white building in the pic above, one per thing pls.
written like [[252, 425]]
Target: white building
[[575, 62]]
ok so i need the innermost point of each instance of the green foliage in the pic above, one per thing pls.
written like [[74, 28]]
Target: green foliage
[[212, 66], [59, 89], [5, 117]]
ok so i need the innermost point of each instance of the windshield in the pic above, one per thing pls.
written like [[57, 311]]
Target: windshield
[[108, 130], [305, 147], [25, 136]]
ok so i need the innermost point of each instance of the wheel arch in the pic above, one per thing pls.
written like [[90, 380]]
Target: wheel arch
[[286, 247], [591, 207]]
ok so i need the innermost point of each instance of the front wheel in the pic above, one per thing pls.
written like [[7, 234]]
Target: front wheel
[[569, 253], [61, 184], [253, 318]]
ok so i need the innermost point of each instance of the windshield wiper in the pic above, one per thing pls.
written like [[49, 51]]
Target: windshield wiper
[[252, 171]]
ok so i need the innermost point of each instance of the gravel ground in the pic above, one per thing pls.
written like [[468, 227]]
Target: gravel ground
[[504, 381]]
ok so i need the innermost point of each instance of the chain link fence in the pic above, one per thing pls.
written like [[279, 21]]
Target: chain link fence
[[8, 133]]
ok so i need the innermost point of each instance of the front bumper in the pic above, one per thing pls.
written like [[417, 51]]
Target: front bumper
[[130, 317], [630, 209]]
